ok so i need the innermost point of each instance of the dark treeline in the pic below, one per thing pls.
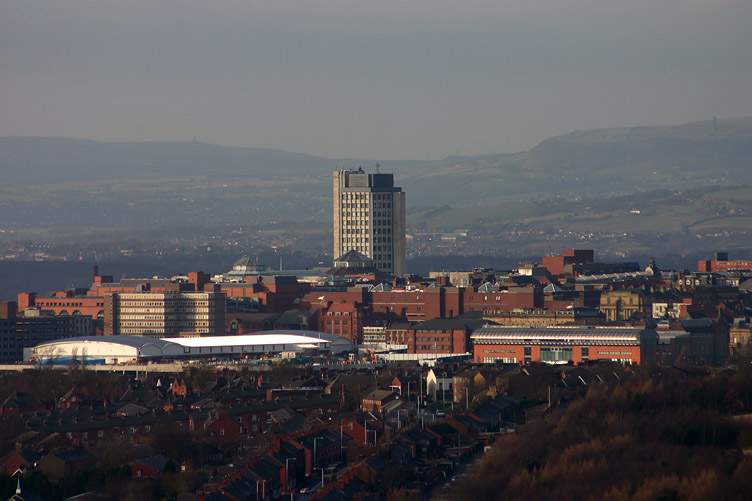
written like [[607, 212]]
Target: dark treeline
[[666, 434]]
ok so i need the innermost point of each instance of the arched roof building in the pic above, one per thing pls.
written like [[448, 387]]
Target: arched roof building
[[120, 349]]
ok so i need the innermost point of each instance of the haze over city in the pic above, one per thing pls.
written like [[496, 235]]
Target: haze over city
[[381, 80], [386, 251]]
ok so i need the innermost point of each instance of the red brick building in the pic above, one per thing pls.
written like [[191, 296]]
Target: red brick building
[[502, 300], [448, 335], [563, 264], [560, 345], [342, 319], [415, 305], [275, 293], [722, 264], [65, 303]]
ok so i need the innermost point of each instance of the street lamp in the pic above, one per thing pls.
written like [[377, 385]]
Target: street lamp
[[263, 489], [287, 471], [341, 448]]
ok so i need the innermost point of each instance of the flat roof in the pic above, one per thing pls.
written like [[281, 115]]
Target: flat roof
[[556, 334], [270, 338]]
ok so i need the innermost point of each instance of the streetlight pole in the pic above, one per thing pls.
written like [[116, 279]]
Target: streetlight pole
[[341, 458], [287, 468], [420, 385], [314, 451]]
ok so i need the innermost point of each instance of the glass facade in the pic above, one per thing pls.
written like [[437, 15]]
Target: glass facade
[[556, 355]]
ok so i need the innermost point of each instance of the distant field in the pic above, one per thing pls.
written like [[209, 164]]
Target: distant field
[[693, 210]]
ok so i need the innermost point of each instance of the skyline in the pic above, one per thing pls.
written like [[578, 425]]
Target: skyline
[[383, 82]]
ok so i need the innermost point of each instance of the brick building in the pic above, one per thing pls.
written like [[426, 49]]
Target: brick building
[[722, 264], [67, 303], [574, 262], [440, 335], [560, 345], [509, 299], [274, 293], [563, 264], [342, 319]]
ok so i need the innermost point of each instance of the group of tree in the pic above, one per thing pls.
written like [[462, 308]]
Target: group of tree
[[663, 434]]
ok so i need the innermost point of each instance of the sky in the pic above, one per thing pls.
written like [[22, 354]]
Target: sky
[[416, 79]]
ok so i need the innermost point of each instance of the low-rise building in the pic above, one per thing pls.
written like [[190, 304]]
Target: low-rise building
[[376, 400], [561, 345], [35, 327], [623, 305]]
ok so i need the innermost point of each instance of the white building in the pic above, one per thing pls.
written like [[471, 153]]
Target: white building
[[128, 349], [369, 217]]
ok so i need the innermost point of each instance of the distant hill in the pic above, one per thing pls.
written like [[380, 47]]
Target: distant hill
[[599, 162], [55, 160], [582, 164]]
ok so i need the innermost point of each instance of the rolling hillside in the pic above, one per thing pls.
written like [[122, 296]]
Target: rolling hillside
[[119, 184]]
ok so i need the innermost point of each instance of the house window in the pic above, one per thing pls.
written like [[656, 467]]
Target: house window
[[585, 353]]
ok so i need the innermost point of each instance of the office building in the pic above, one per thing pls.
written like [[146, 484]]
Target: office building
[[369, 217], [18, 332], [171, 314]]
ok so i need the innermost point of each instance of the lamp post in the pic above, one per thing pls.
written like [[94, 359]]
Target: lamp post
[[341, 453], [287, 471]]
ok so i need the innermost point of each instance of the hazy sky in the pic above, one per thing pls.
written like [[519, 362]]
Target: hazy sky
[[376, 79]]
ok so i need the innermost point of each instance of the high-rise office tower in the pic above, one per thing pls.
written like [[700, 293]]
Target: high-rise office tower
[[369, 217]]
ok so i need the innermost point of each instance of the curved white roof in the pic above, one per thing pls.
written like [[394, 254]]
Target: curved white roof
[[147, 347]]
